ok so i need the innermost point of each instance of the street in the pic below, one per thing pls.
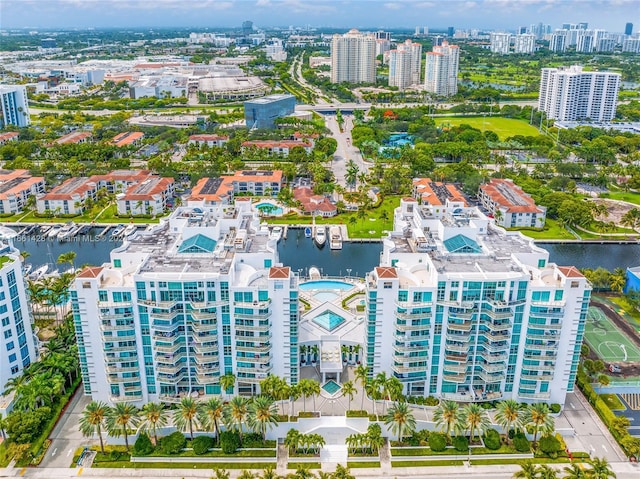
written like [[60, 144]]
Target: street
[[345, 151]]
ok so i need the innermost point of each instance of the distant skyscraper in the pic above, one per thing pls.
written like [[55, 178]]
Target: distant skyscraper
[[417, 32], [247, 28], [353, 58], [451, 31], [522, 30], [628, 29], [441, 70], [583, 26], [558, 41], [569, 94], [524, 44], [631, 45], [500, 43], [14, 104], [382, 35], [437, 41], [404, 65]]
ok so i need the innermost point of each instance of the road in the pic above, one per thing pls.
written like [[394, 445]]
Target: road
[[345, 150], [296, 73]]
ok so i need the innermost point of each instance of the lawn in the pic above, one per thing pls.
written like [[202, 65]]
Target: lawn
[[503, 127], [626, 310], [613, 401], [551, 230], [622, 196]]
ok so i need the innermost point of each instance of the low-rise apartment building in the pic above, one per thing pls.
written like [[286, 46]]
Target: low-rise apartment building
[[208, 140], [146, 198], [16, 186], [277, 147], [510, 206]]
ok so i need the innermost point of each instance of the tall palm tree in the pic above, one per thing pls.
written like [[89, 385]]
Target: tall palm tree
[[219, 473], [401, 420], [382, 382], [235, 414], [227, 382], [476, 419], [187, 415], [121, 418], [538, 415], [246, 474], [93, 420], [448, 417], [314, 390], [528, 470], [546, 472], [153, 417], [575, 471], [262, 414], [294, 395], [348, 390], [600, 469], [361, 374], [212, 415], [509, 415]]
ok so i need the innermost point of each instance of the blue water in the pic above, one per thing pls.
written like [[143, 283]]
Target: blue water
[[325, 284], [325, 295], [331, 386], [329, 320], [270, 209]]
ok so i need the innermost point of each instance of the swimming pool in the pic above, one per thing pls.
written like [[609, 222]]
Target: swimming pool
[[325, 284], [270, 209], [331, 387]]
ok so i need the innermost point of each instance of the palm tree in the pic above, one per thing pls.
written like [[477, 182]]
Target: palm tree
[[361, 373], [448, 417], [227, 382], [262, 414], [575, 471], [120, 418], [212, 415], [188, 413], [546, 472], [294, 395], [245, 474], [92, 420], [348, 390], [292, 440], [476, 419], [269, 473], [539, 416], [401, 420], [382, 381], [68, 257], [235, 414], [600, 469], [153, 416], [528, 470], [314, 390], [220, 473], [509, 415]]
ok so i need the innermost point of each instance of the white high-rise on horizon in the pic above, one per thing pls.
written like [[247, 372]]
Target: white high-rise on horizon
[[558, 41], [353, 58], [441, 70], [404, 65], [524, 44], [570, 94], [500, 42], [14, 106]]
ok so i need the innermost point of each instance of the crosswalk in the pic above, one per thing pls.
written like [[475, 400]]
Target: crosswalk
[[632, 400]]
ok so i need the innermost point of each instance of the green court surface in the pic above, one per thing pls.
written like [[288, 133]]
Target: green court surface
[[503, 127], [607, 341]]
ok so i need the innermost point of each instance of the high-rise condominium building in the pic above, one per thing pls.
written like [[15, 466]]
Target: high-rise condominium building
[[500, 43], [353, 58], [570, 94], [631, 45], [15, 106], [524, 44], [457, 308], [441, 70], [404, 65], [628, 29], [558, 41], [17, 343]]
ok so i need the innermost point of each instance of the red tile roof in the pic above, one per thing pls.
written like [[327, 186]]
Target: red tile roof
[[386, 272], [73, 137], [570, 271], [279, 272], [127, 138], [208, 137], [507, 194], [91, 272], [9, 135], [148, 189]]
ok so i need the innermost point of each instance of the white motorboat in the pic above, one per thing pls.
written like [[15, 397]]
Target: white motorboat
[[27, 269], [129, 230], [53, 232], [307, 232], [335, 238], [276, 233], [39, 273], [66, 231], [320, 236], [116, 233]]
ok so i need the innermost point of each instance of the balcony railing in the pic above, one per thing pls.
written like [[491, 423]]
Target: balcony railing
[[409, 347], [542, 347], [128, 369], [158, 304], [493, 368], [494, 347], [454, 378], [456, 357], [167, 316], [541, 357], [401, 369], [497, 314], [170, 370], [258, 347], [115, 379], [204, 316], [260, 359], [264, 369], [167, 337], [253, 316], [546, 395], [457, 367], [209, 376], [490, 378], [543, 337], [111, 327], [206, 348], [253, 304], [412, 327], [492, 358], [536, 376], [133, 396], [121, 359], [206, 304], [502, 326], [462, 315], [169, 349], [412, 316], [457, 348], [171, 379], [212, 360], [466, 327], [121, 349], [458, 304], [204, 327], [495, 337], [457, 337], [553, 327], [252, 327], [165, 328]]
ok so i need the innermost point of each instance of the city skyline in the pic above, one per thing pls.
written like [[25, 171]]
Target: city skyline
[[484, 14]]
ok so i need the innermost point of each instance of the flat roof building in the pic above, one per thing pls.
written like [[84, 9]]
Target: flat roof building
[[262, 112]]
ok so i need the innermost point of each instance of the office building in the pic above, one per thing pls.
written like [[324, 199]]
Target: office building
[[17, 342], [628, 29], [353, 58], [262, 112], [441, 70], [15, 106], [500, 43], [382, 35], [247, 28], [524, 44], [570, 94], [606, 44], [404, 65], [510, 206], [558, 41]]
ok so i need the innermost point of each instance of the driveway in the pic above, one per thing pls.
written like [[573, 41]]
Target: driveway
[[66, 437], [345, 151]]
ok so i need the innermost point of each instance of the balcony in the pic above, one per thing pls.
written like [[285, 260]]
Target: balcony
[[120, 359], [490, 378], [258, 348], [494, 348], [493, 368], [409, 347], [495, 337], [253, 316], [547, 314], [456, 358], [171, 379], [111, 327], [128, 369], [540, 357], [115, 379], [492, 358], [454, 378], [205, 338], [465, 327], [111, 304], [170, 369], [264, 369], [167, 337], [134, 396], [204, 327], [206, 349], [498, 303], [523, 395], [418, 304], [542, 347], [497, 314], [120, 349], [252, 326], [412, 327], [536, 376], [401, 369], [502, 326], [552, 327], [208, 376], [465, 315], [253, 304], [213, 360], [543, 337], [169, 349], [206, 305], [412, 316], [259, 359], [458, 304], [550, 304], [166, 316], [457, 337], [456, 368], [457, 348], [158, 304]]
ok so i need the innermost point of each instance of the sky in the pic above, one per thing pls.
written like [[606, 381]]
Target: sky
[[484, 14]]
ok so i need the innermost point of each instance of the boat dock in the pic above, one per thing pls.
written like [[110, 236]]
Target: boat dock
[[104, 232]]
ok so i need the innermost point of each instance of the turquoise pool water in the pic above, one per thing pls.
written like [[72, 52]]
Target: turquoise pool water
[[270, 209], [325, 295], [329, 320], [325, 284], [331, 387]]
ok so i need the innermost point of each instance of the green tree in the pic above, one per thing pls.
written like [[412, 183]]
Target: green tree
[[575, 471], [92, 420], [539, 417], [528, 470], [262, 415], [401, 420], [348, 390], [448, 417], [211, 415], [476, 419], [122, 417], [153, 417], [509, 415], [227, 382], [187, 415], [235, 414], [600, 469]]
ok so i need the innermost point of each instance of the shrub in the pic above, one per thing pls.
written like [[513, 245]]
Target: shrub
[[202, 444], [511, 434], [253, 440], [555, 408], [229, 442], [431, 401], [461, 443], [142, 446], [521, 443], [437, 442], [24, 427], [419, 438], [174, 443], [492, 439], [550, 446]]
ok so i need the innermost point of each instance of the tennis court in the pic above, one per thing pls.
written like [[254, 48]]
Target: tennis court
[[607, 341]]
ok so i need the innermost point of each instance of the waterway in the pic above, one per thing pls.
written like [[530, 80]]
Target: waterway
[[301, 253]]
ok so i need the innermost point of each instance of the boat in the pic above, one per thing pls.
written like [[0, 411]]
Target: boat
[[116, 233], [39, 273], [335, 238], [27, 269], [53, 232], [129, 230], [276, 233], [66, 231], [307, 232], [84, 229], [321, 236]]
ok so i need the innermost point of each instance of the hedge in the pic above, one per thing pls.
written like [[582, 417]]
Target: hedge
[[437, 442], [492, 440]]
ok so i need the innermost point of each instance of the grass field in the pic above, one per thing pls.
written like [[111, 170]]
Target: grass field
[[607, 341], [503, 127], [551, 230], [627, 196]]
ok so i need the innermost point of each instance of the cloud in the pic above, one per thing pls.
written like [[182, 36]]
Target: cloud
[[393, 6]]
